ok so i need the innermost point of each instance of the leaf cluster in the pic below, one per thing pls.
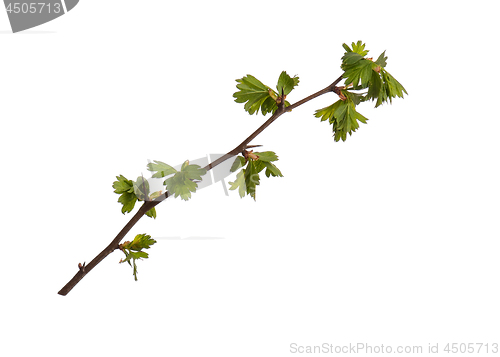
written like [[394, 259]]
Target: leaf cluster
[[248, 177], [182, 182], [130, 192], [133, 250], [360, 74], [363, 73], [257, 96], [343, 117]]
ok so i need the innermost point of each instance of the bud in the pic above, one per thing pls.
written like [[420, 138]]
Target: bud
[[251, 155], [155, 195], [272, 94]]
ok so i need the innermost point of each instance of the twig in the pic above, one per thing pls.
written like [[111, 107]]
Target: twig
[[150, 204]]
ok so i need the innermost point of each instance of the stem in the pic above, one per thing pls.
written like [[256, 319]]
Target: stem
[[109, 249], [150, 204], [330, 88]]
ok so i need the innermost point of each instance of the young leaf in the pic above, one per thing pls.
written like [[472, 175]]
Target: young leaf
[[141, 241], [350, 59], [128, 201], [141, 188], [272, 170], [131, 192], [133, 250], [356, 98], [286, 83], [134, 255], [126, 189], [162, 168], [239, 183], [181, 184], [267, 156], [358, 48], [255, 95], [382, 60], [327, 113], [238, 162], [343, 117], [252, 178], [193, 172], [357, 68], [383, 87], [394, 88], [151, 213], [248, 179], [123, 185]]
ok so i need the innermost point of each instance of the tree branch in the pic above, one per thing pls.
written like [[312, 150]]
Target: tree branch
[[85, 269], [330, 88]]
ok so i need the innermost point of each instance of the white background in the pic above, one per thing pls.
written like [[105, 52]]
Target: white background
[[388, 238]]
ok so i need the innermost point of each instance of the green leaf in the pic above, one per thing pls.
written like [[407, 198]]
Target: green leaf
[[151, 213], [252, 178], [141, 188], [133, 250], [327, 113], [193, 172], [123, 185], [394, 88], [239, 183], [343, 117], [358, 48], [384, 87], [247, 179], [351, 58], [360, 70], [286, 83], [375, 89], [126, 189], [239, 161], [356, 98], [255, 95], [141, 241], [131, 192], [267, 156], [162, 168], [272, 170], [133, 256], [382, 60], [128, 201], [181, 184]]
